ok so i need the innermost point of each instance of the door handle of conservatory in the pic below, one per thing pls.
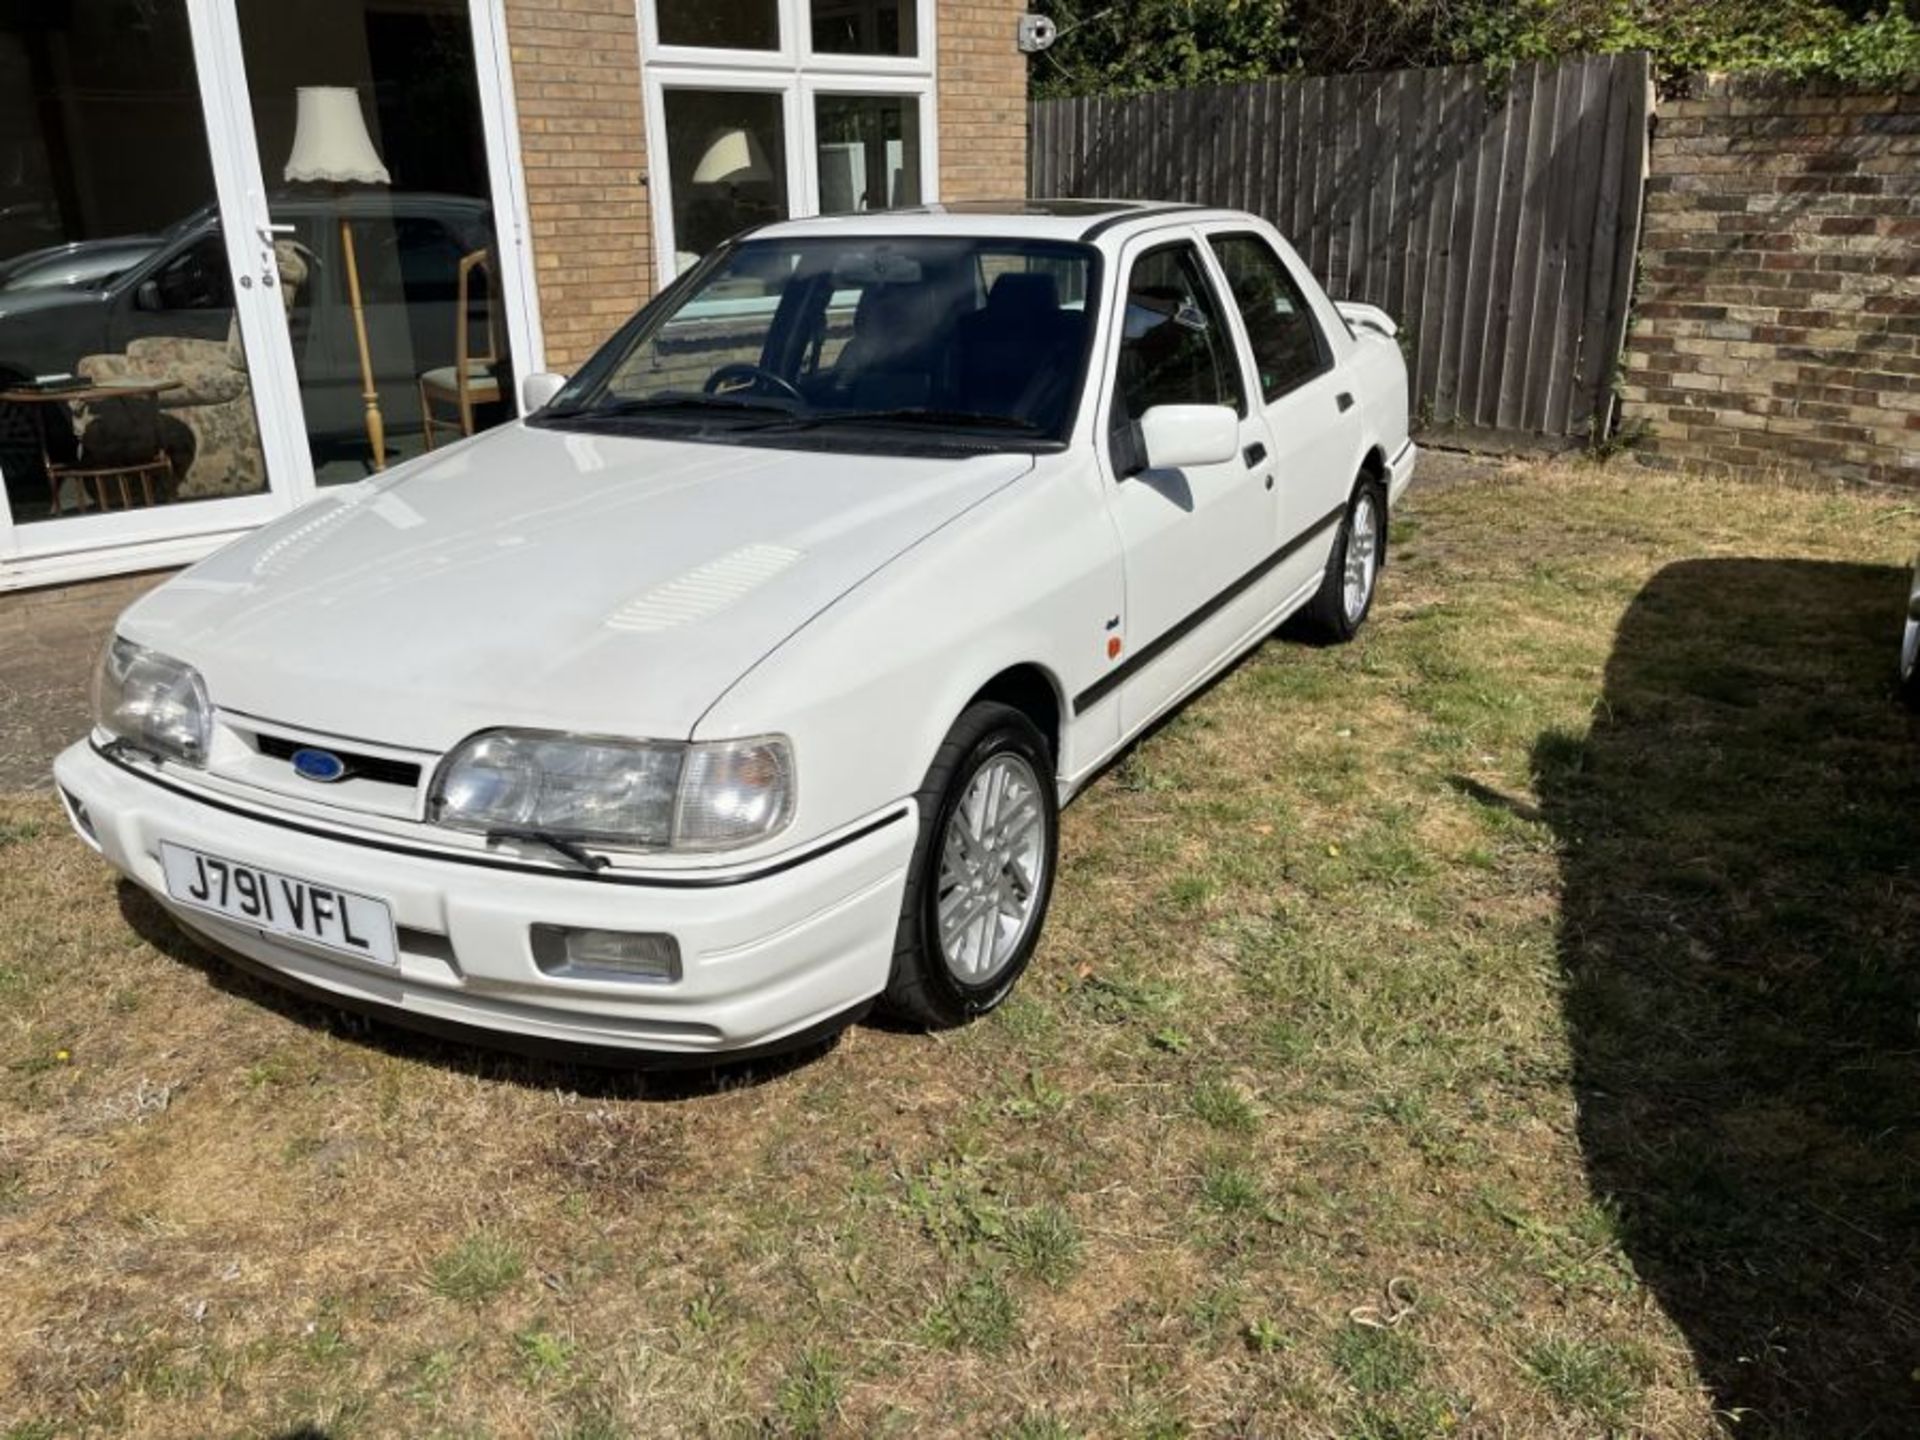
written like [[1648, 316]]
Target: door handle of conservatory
[[269, 262]]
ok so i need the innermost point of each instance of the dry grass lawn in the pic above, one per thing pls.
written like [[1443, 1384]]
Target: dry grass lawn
[[1503, 1026]]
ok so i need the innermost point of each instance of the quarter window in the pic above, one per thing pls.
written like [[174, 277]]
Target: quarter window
[[1175, 348], [1287, 345]]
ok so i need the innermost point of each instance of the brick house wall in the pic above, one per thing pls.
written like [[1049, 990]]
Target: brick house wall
[[583, 146], [981, 78], [1778, 320]]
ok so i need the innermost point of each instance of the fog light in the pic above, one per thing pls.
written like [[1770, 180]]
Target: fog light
[[606, 954], [77, 813]]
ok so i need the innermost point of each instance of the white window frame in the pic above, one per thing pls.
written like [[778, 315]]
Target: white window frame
[[800, 75]]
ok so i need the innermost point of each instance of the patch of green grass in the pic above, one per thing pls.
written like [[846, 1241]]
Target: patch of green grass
[[1038, 1427], [809, 1394], [1599, 1380], [1038, 1098], [546, 1358], [1189, 892], [980, 1314], [478, 1268], [1229, 1190], [1264, 1336], [1377, 1361], [1044, 1244], [1222, 1105]]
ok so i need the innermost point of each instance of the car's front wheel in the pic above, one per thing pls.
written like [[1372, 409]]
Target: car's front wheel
[[982, 870]]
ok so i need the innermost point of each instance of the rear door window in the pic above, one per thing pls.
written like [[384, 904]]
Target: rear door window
[[1288, 348]]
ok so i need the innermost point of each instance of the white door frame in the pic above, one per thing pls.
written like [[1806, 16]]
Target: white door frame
[[81, 547], [799, 74], [70, 547]]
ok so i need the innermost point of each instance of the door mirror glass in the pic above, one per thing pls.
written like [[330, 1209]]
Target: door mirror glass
[[538, 388], [1174, 437]]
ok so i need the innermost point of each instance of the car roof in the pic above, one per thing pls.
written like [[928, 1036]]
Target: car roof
[[1060, 219]]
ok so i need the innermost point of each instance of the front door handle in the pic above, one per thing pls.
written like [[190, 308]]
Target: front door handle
[[1254, 454], [1344, 400]]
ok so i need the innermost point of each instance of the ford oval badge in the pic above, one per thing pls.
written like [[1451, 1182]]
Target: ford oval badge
[[321, 765]]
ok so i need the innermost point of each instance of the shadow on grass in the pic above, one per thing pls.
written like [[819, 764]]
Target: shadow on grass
[[1740, 837], [598, 1074]]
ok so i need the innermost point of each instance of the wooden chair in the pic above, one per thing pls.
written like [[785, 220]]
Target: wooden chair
[[471, 380]]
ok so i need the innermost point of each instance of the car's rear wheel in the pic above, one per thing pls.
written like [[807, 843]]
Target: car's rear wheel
[[1910, 664], [982, 870], [1340, 607]]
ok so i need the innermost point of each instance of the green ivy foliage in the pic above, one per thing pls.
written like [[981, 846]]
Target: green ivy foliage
[[1122, 47]]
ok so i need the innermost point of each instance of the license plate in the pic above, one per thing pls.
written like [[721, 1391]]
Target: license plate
[[356, 925]]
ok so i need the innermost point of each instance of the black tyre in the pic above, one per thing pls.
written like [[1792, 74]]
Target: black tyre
[[1340, 607], [982, 870], [1910, 665]]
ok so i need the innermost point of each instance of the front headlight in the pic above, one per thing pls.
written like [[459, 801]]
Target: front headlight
[[152, 702], [646, 794]]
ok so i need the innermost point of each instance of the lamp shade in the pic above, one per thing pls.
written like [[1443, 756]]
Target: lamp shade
[[733, 157], [330, 140]]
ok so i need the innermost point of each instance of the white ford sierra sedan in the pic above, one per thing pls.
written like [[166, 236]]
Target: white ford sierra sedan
[[738, 686]]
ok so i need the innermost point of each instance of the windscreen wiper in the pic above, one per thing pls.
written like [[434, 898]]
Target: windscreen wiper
[[662, 404], [904, 415], [560, 844]]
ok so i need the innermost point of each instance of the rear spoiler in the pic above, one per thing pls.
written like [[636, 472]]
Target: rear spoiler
[[1362, 316]]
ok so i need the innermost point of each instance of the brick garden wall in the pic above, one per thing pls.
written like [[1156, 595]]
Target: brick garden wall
[[1778, 320]]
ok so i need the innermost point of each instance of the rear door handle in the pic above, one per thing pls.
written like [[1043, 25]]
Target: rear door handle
[[1344, 400], [1254, 454]]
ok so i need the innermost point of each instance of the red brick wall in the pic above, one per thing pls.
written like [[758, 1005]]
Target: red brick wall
[[1778, 320], [983, 100], [576, 81]]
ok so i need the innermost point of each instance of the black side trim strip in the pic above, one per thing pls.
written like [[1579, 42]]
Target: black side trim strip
[[1157, 646], [1121, 217], [552, 872]]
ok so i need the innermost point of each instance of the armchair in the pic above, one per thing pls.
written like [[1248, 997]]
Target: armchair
[[207, 426]]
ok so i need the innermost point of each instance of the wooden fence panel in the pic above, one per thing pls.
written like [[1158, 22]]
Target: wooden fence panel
[[1496, 223]]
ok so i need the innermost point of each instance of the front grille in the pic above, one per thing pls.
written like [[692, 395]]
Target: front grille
[[359, 766]]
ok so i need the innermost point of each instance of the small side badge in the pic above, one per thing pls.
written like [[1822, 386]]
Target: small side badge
[[321, 765]]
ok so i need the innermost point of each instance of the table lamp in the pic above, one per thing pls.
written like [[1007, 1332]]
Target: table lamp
[[331, 146]]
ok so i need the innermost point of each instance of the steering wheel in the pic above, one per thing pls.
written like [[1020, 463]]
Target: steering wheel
[[755, 378]]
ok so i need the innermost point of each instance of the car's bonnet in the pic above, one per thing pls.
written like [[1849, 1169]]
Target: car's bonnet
[[604, 584]]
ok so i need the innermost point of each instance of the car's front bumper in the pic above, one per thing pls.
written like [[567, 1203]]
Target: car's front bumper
[[767, 955]]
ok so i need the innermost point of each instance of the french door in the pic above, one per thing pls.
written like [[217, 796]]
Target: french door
[[189, 348]]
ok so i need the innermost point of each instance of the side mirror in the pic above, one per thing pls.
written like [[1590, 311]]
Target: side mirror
[[1173, 437], [538, 388], [147, 297]]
